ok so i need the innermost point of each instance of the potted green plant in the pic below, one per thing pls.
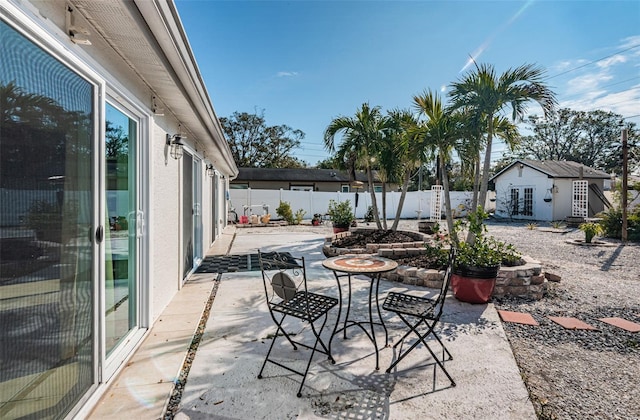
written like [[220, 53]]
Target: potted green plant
[[341, 215], [590, 230], [478, 260]]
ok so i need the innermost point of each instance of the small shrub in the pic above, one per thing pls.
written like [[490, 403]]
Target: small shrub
[[341, 213], [590, 230], [532, 226], [299, 216], [369, 216], [557, 225], [284, 211]]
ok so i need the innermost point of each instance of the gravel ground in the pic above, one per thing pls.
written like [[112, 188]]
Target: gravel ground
[[573, 374]]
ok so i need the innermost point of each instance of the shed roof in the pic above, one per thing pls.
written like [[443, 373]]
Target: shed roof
[[297, 175], [558, 169]]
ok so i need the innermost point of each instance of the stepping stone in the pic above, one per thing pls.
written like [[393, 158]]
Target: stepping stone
[[517, 317], [622, 323], [571, 323]]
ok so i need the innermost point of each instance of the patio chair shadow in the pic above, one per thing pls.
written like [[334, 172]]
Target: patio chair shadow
[[358, 396]]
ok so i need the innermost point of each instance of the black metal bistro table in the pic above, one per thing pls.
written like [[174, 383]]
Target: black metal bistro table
[[372, 266]]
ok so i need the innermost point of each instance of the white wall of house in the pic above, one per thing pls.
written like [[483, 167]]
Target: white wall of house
[[158, 181], [521, 178], [558, 189]]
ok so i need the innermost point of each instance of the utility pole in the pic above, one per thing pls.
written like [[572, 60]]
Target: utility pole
[[625, 163]]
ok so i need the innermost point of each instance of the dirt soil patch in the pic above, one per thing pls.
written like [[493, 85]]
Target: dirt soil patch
[[360, 239]]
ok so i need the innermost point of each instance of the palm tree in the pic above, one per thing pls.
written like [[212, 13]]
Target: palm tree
[[409, 152], [388, 165], [487, 94], [439, 132], [362, 135]]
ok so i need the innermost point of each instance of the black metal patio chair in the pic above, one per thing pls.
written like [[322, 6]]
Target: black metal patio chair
[[422, 313], [285, 286]]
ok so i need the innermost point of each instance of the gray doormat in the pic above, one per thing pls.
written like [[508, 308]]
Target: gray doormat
[[233, 263]]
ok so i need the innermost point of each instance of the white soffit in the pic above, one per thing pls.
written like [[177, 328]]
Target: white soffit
[[148, 36]]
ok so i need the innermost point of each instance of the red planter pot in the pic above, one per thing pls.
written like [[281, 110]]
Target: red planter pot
[[474, 284], [338, 229]]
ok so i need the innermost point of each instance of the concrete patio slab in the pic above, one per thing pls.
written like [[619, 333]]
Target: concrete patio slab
[[223, 380], [223, 384]]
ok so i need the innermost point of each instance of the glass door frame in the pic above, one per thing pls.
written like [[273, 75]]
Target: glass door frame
[[197, 211], [111, 363]]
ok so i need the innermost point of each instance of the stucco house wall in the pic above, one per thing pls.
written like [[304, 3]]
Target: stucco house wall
[[552, 185], [139, 61]]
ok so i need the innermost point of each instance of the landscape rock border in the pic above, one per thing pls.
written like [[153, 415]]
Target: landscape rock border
[[525, 281]]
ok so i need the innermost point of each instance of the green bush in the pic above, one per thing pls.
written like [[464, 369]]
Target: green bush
[[284, 211], [297, 219], [590, 230], [612, 224], [369, 216], [341, 213]]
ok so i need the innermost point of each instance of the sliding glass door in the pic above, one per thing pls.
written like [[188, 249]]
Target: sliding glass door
[[121, 238], [48, 231]]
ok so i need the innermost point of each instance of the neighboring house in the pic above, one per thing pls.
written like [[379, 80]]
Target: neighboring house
[[303, 179], [103, 217], [547, 191]]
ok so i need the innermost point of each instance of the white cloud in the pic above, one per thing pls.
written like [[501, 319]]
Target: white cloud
[[287, 74], [587, 82], [624, 103], [608, 62], [630, 41]]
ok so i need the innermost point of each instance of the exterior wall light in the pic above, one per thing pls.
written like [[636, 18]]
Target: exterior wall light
[[175, 144], [210, 170]]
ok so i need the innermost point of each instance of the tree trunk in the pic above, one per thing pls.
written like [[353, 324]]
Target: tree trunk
[[484, 186], [476, 182], [384, 205], [447, 199], [374, 203], [403, 194]]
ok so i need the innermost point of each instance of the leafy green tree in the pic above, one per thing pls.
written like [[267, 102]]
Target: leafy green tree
[[592, 138], [254, 144], [332, 162], [117, 142], [488, 94], [361, 137]]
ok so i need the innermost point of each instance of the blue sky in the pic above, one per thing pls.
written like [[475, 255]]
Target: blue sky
[[307, 62]]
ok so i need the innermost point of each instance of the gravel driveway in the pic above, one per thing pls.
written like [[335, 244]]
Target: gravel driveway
[[572, 374]]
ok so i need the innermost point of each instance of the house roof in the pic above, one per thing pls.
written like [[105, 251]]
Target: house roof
[[297, 175], [558, 169]]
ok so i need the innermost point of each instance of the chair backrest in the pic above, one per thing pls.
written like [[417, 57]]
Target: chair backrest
[[446, 281], [282, 275]]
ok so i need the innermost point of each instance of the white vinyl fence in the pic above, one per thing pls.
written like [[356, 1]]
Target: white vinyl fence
[[417, 204]]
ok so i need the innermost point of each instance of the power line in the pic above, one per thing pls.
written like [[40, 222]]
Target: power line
[[595, 61]]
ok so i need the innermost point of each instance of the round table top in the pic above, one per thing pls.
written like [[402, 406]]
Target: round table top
[[359, 264]]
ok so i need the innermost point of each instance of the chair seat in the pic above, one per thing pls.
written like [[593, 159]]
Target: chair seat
[[409, 305], [297, 305]]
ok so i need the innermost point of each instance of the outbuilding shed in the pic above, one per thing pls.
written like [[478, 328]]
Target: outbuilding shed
[[549, 190]]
